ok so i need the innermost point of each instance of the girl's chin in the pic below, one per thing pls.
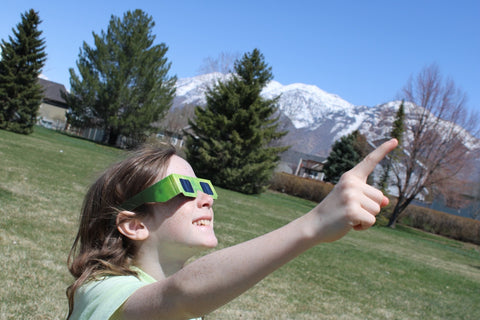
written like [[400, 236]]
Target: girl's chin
[[211, 243], [203, 244], [207, 238]]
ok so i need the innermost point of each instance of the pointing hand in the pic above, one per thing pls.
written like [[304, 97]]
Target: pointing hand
[[352, 203]]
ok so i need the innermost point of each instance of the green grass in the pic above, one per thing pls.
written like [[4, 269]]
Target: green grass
[[377, 274]]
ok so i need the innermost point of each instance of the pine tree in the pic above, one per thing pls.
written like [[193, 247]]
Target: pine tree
[[123, 86], [398, 128], [230, 143], [22, 60], [345, 154]]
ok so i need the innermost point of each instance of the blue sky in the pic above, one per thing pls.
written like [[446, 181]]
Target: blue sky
[[363, 51]]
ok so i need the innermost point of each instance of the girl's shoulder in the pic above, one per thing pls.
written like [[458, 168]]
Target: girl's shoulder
[[99, 299]]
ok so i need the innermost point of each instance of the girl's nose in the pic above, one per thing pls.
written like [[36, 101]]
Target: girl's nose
[[204, 200]]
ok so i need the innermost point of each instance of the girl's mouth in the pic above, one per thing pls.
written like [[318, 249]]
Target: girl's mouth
[[202, 222]]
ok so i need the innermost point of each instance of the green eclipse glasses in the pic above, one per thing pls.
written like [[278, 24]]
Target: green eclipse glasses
[[169, 187]]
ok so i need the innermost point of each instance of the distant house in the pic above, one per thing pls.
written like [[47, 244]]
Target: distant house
[[312, 169], [177, 139], [301, 164], [53, 108]]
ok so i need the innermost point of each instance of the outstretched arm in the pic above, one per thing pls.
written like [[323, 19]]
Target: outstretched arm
[[215, 279]]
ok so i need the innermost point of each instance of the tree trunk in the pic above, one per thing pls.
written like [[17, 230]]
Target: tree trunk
[[402, 204], [396, 212], [392, 222], [112, 137]]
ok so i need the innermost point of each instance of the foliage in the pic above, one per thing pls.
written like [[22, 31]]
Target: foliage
[[305, 188], [441, 223], [398, 128], [231, 136], [444, 224], [435, 153], [22, 59], [123, 84], [345, 154]]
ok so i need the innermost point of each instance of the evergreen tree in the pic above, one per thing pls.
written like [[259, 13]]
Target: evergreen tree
[[383, 183], [345, 154], [230, 143], [22, 60], [123, 86], [398, 128]]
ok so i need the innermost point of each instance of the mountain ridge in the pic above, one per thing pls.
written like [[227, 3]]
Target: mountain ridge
[[314, 118]]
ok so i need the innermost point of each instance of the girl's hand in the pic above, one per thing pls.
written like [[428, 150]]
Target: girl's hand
[[352, 203], [211, 281]]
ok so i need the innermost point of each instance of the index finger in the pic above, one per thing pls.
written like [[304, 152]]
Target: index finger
[[366, 166]]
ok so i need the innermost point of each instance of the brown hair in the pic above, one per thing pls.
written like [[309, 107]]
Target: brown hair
[[99, 248]]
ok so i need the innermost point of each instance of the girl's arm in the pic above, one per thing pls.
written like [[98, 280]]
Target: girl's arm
[[213, 280]]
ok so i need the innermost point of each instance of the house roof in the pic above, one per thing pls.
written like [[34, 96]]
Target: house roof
[[292, 156], [52, 91]]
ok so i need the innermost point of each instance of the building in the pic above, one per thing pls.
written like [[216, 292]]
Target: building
[[53, 108], [312, 169], [174, 138], [301, 164]]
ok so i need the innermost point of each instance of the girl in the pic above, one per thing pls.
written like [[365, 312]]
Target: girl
[[147, 215]]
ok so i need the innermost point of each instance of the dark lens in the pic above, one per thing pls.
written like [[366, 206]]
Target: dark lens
[[187, 186], [206, 188]]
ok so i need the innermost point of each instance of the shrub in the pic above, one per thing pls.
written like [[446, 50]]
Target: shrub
[[455, 227], [444, 224], [305, 188]]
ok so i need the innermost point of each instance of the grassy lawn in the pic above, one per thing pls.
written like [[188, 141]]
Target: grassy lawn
[[377, 274]]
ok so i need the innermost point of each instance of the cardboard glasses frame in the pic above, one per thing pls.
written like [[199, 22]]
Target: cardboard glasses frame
[[169, 187]]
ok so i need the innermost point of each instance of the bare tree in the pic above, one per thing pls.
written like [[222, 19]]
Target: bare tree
[[223, 63], [434, 152], [177, 119], [475, 207]]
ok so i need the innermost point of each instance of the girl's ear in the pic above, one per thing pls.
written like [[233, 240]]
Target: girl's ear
[[130, 226]]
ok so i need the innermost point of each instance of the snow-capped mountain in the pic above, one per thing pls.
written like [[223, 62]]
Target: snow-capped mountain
[[191, 91], [314, 118], [306, 105]]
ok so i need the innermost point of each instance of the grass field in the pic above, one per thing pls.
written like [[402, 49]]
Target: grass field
[[377, 274]]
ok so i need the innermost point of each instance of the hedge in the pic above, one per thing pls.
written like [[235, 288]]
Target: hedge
[[448, 225]]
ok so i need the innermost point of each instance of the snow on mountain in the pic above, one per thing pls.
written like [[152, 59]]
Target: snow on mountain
[[306, 104], [314, 118], [191, 91]]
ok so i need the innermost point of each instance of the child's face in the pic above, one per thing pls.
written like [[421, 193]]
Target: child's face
[[182, 225]]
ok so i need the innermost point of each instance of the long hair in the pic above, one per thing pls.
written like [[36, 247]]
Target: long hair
[[99, 248]]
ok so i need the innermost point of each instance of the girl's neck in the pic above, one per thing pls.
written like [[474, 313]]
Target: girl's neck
[[159, 271], [161, 263]]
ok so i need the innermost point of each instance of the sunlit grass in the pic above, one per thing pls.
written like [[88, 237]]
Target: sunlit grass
[[377, 274]]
